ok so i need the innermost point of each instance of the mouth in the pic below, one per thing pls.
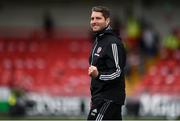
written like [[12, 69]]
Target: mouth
[[95, 27]]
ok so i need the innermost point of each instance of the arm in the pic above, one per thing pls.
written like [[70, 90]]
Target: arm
[[115, 57]]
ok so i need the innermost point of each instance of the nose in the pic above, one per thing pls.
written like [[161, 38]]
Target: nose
[[93, 21]]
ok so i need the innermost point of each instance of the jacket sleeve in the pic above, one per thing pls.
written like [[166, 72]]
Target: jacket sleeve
[[115, 56]]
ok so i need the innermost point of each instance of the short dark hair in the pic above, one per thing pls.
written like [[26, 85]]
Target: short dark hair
[[104, 10]]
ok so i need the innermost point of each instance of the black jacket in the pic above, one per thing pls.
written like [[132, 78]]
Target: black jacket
[[109, 56]]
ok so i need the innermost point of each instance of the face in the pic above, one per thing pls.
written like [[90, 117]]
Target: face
[[98, 22]]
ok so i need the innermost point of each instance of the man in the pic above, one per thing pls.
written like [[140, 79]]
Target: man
[[107, 61]]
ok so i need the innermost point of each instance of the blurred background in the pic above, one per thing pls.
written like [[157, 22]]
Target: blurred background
[[44, 50]]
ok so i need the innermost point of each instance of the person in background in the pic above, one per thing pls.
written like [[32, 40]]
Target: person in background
[[48, 24], [107, 61]]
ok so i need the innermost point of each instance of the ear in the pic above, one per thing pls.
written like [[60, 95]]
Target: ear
[[107, 21]]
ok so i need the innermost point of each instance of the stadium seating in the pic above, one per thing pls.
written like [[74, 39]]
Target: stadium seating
[[163, 77], [55, 66]]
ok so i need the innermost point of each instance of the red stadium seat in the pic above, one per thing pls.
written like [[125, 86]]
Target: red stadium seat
[[162, 78], [56, 66]]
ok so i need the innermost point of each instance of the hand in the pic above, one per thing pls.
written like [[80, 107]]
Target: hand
[[93, 72]]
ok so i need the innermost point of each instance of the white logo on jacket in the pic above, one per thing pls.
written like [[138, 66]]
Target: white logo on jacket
[[98, 51]]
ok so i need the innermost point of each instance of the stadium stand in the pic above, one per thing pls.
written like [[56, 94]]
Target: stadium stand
[[54, 66], [163, 77]]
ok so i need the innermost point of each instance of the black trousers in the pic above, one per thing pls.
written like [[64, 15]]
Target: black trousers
[[105, 110]]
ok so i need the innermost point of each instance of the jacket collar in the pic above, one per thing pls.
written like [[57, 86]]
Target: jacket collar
[[106, 30]]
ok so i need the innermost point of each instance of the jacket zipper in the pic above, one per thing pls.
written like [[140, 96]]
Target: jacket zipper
[[92, 57]]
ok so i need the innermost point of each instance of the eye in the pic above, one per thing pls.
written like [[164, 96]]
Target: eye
[[92, 18]]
